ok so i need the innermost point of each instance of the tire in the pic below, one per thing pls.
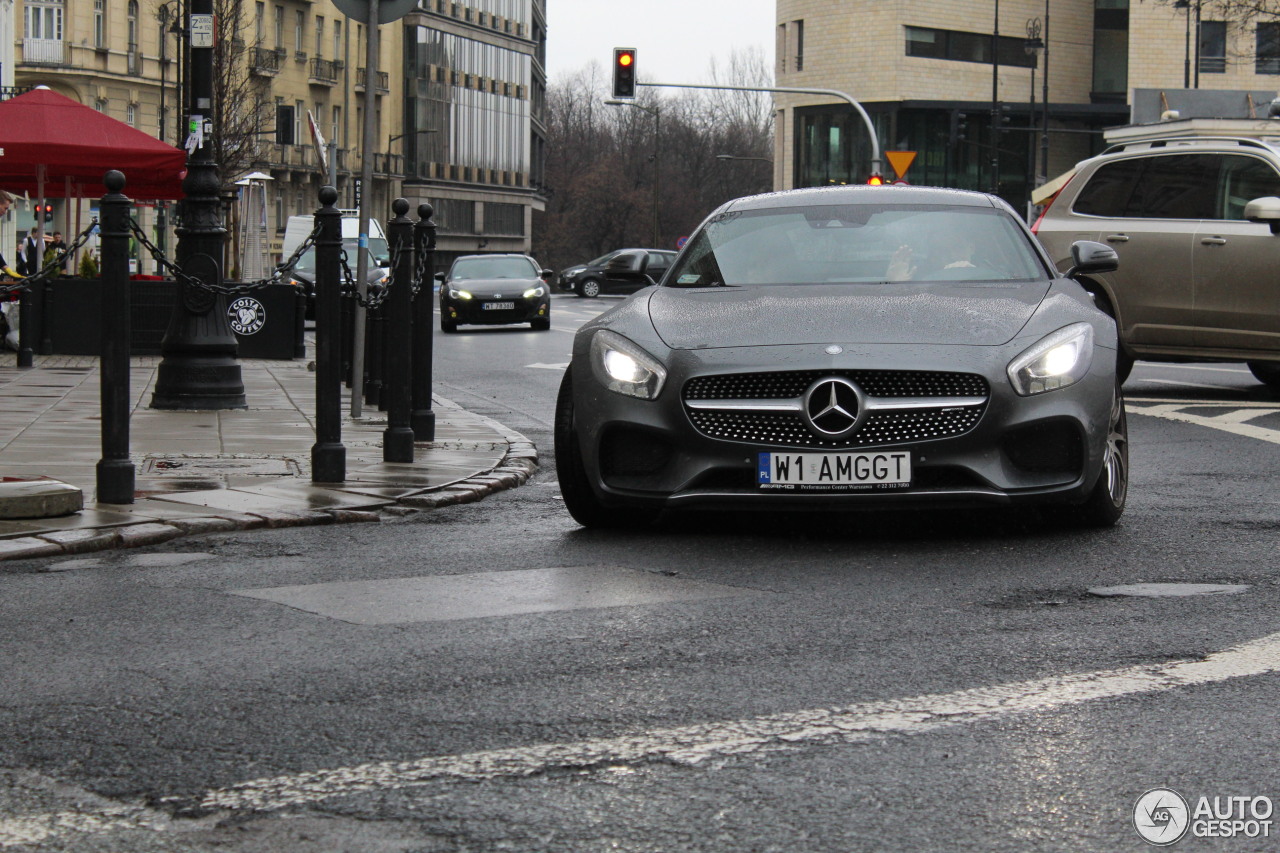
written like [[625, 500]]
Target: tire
[[447, 327], [575, 486], [1266, 372], [542, 324], [1106, 502], [589, 287]]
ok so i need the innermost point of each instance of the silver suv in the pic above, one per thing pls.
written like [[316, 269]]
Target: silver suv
[[1196, 223]]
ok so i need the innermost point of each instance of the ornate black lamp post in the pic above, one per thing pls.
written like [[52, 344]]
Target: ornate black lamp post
[[199, 369]]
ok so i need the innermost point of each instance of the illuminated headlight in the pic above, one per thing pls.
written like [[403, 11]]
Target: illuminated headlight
[[535, 292], [624, 367], [459, 294], [1058, 360]]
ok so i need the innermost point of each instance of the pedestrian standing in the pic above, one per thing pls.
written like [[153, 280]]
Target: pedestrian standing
[[6, 201], [29, 260]]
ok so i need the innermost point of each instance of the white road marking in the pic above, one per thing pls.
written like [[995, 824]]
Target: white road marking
[[550, 366], [687, 744], [49, 826], [692, 744], [1234, 421]]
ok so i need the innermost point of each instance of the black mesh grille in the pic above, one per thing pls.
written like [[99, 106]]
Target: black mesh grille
[[789, 384], [880, 428]]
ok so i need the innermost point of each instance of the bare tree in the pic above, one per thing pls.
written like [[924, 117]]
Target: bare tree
[[605, 167], [240, 102]]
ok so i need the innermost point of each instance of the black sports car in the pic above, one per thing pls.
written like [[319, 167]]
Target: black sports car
[[491, 290], [849, 347]]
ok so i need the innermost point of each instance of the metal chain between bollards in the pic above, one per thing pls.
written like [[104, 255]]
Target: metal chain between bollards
[[241, 289]]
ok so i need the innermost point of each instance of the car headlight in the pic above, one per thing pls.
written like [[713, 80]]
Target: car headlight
[[459, 294], [535, 292], [622, 366], [1059, 359]]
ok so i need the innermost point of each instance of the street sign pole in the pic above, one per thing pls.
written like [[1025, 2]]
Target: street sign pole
[[371, 13], [365, 208]]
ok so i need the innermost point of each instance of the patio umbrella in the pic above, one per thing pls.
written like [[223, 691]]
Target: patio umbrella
[[54, 147]]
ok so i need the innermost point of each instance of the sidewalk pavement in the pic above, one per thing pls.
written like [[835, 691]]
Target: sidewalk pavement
[[211, 471]]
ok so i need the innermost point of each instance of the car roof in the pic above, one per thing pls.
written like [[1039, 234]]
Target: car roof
[[1191, 142], [862, 194], [494, 255]]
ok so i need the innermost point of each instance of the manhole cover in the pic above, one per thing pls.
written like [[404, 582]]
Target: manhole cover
[[1168, 590], [196, 466]]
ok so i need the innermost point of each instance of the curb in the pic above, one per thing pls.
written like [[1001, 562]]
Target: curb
[[515, 469]]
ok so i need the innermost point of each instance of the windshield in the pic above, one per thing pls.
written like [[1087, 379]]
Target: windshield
[[378, 254], [473, 268], [857, 243]]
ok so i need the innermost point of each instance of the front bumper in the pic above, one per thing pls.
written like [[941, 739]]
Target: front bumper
[[1047, 448], [474, 312]]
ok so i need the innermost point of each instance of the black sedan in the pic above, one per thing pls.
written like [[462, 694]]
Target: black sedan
[[849, 347], [494, 290], [620, 271]]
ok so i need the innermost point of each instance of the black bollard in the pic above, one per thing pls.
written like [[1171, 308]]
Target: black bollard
[[46, 318], [328, 455], [374, 328], [423, 418], [397, 439], [26, 316], [115, 470], [300, 325], [348, 334]]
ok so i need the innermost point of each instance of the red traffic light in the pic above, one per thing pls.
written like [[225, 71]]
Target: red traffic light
[[624, 72]]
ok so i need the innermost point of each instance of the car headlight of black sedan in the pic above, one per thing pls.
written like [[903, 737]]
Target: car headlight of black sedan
[[849, 347]]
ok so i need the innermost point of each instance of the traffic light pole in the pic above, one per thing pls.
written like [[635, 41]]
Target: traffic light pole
[[866, 119]]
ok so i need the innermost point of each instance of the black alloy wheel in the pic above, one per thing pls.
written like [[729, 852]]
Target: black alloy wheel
[[1106, 502]]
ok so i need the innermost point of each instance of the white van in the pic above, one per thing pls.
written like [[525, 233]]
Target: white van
[[298, 228]]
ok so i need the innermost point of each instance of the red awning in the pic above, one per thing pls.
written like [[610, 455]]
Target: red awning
[[72, 141]]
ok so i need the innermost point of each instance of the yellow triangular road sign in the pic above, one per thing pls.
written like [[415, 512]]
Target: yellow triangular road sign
[[900, 161]]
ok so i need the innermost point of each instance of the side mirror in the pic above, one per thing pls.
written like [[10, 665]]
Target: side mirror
[[547, 274], [1088, 257], [439, 276], [1266, 209]]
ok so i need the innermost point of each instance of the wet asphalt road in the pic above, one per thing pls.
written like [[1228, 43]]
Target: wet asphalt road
[[890, 682]]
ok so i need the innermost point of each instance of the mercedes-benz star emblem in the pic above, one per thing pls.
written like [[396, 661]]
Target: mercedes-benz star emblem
[[833, 407]]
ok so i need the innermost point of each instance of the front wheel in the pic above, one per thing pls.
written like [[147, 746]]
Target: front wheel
[[1266, 372], [589, 287], [448, 327], [1106, 502], [575, 486], [541, 324]]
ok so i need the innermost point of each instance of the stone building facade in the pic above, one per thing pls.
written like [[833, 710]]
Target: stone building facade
[[924, 72]]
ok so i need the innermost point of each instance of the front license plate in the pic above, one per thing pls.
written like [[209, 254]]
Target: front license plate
[[497, 306], [835, 472]]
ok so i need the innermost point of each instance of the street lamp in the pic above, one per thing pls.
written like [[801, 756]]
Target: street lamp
[[413, 133], [1034, 46], [728, 158], [657, 163]]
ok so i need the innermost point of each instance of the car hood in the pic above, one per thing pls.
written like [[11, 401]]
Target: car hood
[[495, 286], [900, 313]]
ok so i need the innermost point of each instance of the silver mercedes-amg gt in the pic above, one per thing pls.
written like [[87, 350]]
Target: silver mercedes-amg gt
[[849, 347]]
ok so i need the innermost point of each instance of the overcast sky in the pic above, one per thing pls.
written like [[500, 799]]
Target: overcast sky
[[674, 39]]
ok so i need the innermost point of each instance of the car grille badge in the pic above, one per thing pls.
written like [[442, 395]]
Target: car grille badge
[[833, 407], [834, 349]]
